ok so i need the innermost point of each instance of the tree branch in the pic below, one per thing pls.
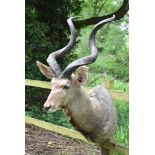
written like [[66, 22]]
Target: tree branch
[[93, 20], [101, 7]]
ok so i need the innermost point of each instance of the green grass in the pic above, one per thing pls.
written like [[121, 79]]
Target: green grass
[[57, 117], [122, 132]]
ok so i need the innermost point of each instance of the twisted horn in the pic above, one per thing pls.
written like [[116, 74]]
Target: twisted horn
[[94, 51], [51, 60]]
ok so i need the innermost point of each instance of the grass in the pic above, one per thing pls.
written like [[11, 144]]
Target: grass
[[122, 132], [121, 86]]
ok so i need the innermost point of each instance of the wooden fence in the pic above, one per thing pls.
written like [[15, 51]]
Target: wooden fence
[[115, 94], [71, 133]]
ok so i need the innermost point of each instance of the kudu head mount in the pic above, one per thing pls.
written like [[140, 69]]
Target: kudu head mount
[[92, 113]]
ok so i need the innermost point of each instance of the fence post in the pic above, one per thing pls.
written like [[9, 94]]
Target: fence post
[[105, 151], [109, 84]]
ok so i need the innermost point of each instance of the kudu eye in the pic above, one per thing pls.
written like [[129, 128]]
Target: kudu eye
[[66, 87]]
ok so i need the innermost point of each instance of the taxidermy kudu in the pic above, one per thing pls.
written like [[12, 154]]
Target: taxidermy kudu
[[92, 113]]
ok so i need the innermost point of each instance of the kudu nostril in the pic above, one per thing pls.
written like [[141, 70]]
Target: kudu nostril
[[47, 108]]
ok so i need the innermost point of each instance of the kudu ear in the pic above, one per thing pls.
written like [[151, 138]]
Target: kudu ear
[[81, 75], [45, 70]]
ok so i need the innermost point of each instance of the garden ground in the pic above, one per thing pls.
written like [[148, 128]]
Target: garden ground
[[43, 142]]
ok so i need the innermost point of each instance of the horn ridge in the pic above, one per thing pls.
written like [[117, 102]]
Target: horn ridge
[[51, 60]]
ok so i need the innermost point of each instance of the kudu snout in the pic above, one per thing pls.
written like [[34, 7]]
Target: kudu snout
[[47, 108], [47, 105]]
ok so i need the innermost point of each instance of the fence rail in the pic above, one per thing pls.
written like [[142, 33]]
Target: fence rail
[[43, 84], [71, 133]]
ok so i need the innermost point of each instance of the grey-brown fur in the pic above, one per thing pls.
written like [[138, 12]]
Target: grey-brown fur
[[96, 119]]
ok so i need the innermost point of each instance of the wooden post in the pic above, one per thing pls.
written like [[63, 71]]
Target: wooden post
[[109, 84], [105, 151]]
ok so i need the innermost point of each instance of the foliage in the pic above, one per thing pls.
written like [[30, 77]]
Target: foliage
[[122, 132], [57, 118], [111, 40], [93, 8], [112, 43], [46, 30], [37, 42]]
